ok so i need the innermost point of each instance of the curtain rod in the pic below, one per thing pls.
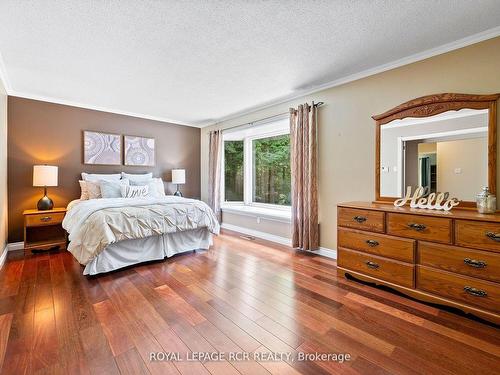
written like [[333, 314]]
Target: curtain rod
[[318, 104]]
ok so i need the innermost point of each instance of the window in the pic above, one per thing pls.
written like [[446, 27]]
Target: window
[[256, 165], [233, 167], [271, 170]]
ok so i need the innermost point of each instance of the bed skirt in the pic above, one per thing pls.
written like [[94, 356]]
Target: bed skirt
[[130, 252]]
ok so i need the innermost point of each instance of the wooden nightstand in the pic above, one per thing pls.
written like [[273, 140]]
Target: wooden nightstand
[[43, 229]]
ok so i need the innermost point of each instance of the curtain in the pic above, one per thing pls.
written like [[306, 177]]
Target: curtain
[[304, 164], [214, 171]]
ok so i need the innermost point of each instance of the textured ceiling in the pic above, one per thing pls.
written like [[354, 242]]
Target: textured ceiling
[[195, 62]]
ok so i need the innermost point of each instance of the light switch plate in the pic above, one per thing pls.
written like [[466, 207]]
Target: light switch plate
[[458, 170]]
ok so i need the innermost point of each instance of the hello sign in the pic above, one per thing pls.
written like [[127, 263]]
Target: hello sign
[[433, 201]]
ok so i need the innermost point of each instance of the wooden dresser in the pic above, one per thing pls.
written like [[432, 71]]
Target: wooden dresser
[[450, 258]]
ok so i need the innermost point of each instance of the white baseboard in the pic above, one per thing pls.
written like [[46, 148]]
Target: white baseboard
[[323, 251], [255, 233], [3, 256], [15, 246]]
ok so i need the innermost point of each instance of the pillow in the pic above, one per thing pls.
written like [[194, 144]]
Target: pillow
[[100, 177], [93, 189], [156, 187], [137, 177], [156, 184], [134, 191], [85, 192], [112, 189]]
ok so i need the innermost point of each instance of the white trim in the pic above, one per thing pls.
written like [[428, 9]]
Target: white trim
[[15, 246], [282, 216], [255, 233], [476, 38], [3, 257], [104, 109], [326, 252], [323, 251]]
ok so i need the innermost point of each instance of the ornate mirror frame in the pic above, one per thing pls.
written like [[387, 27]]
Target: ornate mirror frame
[[431, 105]]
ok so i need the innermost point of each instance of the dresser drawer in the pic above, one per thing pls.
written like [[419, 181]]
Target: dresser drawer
[[361, 219], [378, 244], [44, 219], [479, 235], [475, 263], [420, 227], [381, 268], [466, 289]]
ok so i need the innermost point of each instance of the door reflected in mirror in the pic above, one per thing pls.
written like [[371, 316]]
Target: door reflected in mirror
[[445, 152]]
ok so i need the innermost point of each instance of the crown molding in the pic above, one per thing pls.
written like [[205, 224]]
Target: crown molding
[[101, 109], [464, 42]]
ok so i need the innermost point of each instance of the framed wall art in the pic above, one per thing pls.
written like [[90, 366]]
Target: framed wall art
[[102, 148], [139, 151]]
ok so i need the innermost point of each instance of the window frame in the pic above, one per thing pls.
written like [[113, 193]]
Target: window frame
[[248, 171]]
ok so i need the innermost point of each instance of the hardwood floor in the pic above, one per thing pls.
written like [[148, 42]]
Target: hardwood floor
[[239, 297]]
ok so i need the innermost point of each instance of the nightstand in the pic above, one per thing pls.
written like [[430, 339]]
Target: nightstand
[[43, 229]]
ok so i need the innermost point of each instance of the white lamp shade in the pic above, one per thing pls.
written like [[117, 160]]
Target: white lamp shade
[[45, 175], [178, 176]]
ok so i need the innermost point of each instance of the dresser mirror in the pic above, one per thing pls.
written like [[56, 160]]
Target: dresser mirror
[[443, 142]]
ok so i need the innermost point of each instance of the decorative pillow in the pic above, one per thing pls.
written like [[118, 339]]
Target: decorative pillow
[[100, 177], [85, 192], [137, 177], [112, 189], [156, 187], [134, 191], [93, 189]]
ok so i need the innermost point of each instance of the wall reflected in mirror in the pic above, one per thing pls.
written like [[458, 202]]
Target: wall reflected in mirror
[[446, 152]]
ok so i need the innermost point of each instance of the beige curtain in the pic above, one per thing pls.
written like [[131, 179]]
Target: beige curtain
[[214, 171], [304, 164]]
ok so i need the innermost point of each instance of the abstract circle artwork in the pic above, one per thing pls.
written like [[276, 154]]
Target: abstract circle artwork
[[139, 151], [102, 148]]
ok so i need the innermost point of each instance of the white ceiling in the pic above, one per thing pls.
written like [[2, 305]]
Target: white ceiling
[[196, 62]]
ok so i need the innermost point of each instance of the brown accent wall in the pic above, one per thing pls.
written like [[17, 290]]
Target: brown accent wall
[[47, 133]]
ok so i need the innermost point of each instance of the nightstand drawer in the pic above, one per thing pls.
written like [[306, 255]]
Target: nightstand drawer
[[39, 220]]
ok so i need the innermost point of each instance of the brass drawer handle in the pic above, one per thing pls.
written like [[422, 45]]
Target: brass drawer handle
[[360, 219], [475, 292], [372, 243], [475, 263], [45, 218], [493, 236], [417, 227], [372, 265]]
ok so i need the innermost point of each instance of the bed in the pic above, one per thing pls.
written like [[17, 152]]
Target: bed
[[111, 233]]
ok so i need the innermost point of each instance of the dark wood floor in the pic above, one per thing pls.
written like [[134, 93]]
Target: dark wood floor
[[240, 296]]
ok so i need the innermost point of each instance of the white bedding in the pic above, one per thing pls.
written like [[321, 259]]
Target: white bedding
[[94, 225]]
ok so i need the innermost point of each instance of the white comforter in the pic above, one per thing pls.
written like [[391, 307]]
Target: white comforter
[[94, 224]]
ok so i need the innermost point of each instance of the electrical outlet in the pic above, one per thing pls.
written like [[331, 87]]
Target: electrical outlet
[[458, 170]]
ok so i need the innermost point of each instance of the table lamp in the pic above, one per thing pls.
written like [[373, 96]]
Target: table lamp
[[45, 175], [179, 178]]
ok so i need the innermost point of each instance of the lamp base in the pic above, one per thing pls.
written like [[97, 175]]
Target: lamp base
[[45, 204], [178, 193]]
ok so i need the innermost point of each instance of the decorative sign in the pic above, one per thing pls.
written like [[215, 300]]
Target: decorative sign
[[432, 201]]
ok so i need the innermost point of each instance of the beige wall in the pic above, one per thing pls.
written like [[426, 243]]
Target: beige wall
[[3, 168], [347, 132], [471, 156]]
